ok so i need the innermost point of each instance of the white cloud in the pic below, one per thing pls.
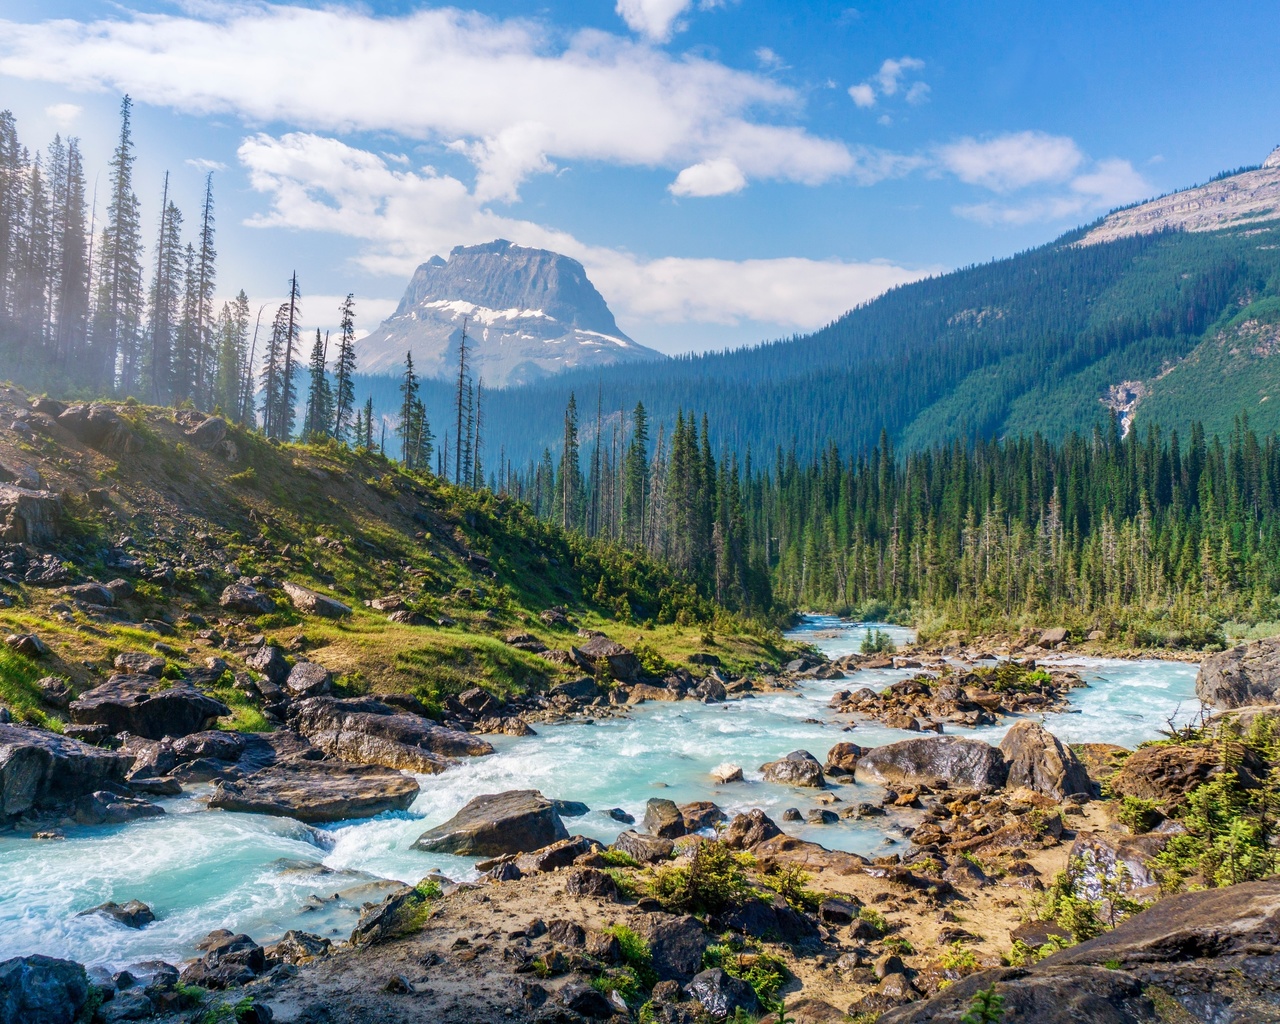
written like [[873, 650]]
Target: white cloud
[[1109, 183], [64, 114], [1112, 183], [863, 94], [402, 217], [709, 178], [891, 71], [918, 93], [1011, 161], [653, 19], [769, 60], [205, 164], [516, 98]]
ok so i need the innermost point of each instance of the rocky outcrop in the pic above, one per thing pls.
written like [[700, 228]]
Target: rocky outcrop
[[366, 731], [746, 830], [311, 602], [1038, 761], [662, 818], [1165, 774], [517, 821], [247, 600], [610, 657], [97, 425], [960, 762], [798, 768], [1247, 674], [42, 990], [147, 707], [29, 516], [645, 849], [307, 679], [316, 791], [1204, 956], [42, 771]]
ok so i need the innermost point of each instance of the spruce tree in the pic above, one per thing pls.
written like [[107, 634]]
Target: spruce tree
[[319, 413], [408, 428], [164, 300], [344, 368]]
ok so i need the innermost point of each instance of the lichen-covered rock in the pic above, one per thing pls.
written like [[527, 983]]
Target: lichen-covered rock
[[961, 762], [1245, 674], [516, 821], [1038, 761]]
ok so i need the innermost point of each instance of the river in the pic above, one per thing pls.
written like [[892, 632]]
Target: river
[[201, 869]]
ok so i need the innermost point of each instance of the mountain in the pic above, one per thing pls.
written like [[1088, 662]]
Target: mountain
[[530, 313], [1136, 313]]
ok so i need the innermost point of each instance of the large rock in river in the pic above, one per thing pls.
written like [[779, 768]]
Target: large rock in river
[[1247, 674], [964, 762], [147, 707], [44, 771], [494, 824], [1038, 761], [317, 791], [1212, 955], [798, 768], [367, 731], [42, 990]]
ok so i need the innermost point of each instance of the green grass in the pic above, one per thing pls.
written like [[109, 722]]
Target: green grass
[[18, 690]]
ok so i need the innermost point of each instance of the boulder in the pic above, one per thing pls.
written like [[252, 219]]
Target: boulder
[[395, 915], [663, 818], [97, 425], [90, 593], [798, 768], [842, 759], [722, 995], [310, 602], [1245, 674], [1037, 760], [559, 854], [297, 947], [585, 1001], [491, 825], [366, 731], [1053, 637], [677, 943], [315, 791], [583, 689], [140, 663], [147, 707], [1165, 774], [726, 773], [746, 830], [111, 807], [215, 744], [643, 848], [42, 990], [962, 762], [242, 598], [29, 516], [612, 658], [1102, 852], [134, 914], [307, 679], [42, 771], [1202, 956], [229, 961], [269, 660], [208, 433], [27, 644], [701, 814], [591, 882]]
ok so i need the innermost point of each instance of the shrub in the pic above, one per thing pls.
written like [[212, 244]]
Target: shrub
[[635, 953], [619, 859], [790, 882], [956, 958], [875, 919], [899, 945], [987, 1008], [1138, 815], [878, 642], [712, 882]]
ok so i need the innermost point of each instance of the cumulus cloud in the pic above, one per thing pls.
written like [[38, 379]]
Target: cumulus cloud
[[709, 178], [887, 81], [64, 114], [891, 72], [515, 97], [1011, 161], [653, 19], [403, 216], [863, 94]]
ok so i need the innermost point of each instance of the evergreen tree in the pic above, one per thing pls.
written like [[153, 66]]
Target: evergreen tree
[[409, 429], [165, 300], [344, 368], [319, 393]]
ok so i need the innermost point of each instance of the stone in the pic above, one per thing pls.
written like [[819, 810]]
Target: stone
[[54, 692], [147, 707], [307, 679], [701, 814], [1210, 955], [838, 911], [559, 854], [571, 808], [1053, 637], [109, 807], [90, 594], [42, 771], [843, 758], [134, 914], [215, 744], [366, 731], [583, 689], [208, 433], [316, 792], [618, 814], [306, 600], [1245, 674], [140, 663], [517, 821], [961, 762], [677, 943], [246, 600], [799, 768], [1037, 760], [269, 660], [42, 990], [1165, 774], [610, 656], [29, 516], [722, 995], [792, 814], [711, 690], [227, 963], [1100, 854], [821, 816], [581, 998], [746, 830], [591, 882], [662, 818], [96, 425], [297, 947], [643, 848], [27, 644], [726, 773]]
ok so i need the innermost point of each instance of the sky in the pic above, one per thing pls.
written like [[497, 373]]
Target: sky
[[728, 171]]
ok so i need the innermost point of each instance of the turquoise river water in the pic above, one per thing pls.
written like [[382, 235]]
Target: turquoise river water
[[201, 869]]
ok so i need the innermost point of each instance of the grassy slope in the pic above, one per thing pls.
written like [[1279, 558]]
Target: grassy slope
[[349, 524]]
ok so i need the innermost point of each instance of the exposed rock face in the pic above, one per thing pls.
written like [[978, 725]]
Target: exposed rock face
[[1165, 774], [1246, 674], [44, 771], [530, 313], [612, 657], [1037, 760], [798, 768], [29, 516], [97, 425], [1214, 953], [1102, 852], [491, 825], [962, 762], [42, 990], [662, 818], [317, 791], [304, 599], [367, 731], [147, 707]]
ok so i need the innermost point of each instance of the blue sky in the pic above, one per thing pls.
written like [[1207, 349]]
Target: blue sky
[[727, 170]]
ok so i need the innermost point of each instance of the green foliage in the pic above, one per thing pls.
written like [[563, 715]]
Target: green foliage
[[878, 642], [636, 954], [712, 881], [764, 972], [1138, 815], [875, 919], [619, 859], [957, 958], [622, 980], [429, 889], [791, 883], [898, 944], [987, 1007]]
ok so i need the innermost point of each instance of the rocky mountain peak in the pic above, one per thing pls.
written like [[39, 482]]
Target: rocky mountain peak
[[1273, 160]]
